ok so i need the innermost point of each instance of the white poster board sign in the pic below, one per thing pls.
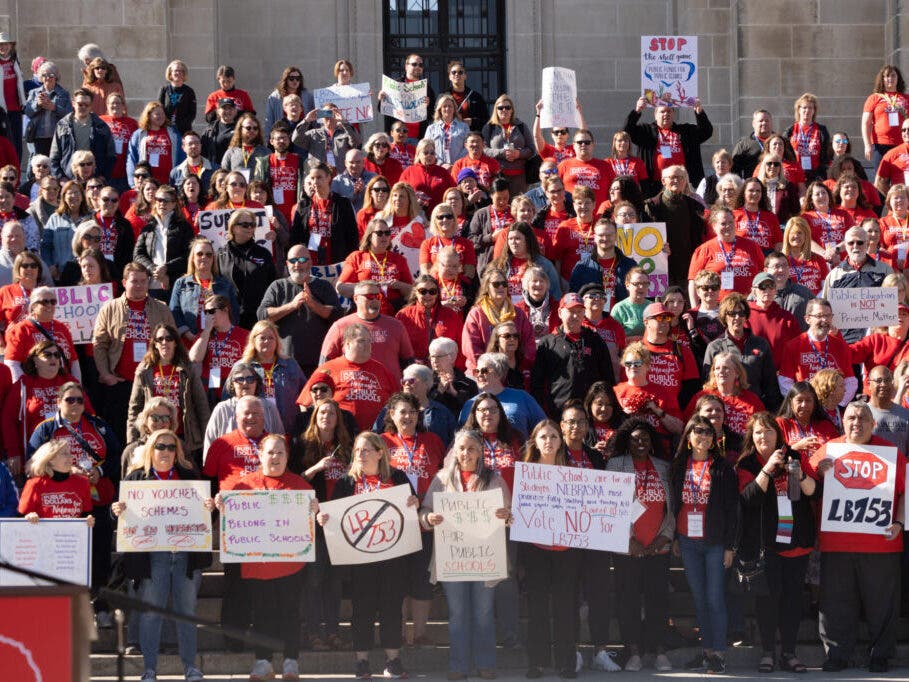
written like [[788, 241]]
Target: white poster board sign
[[374, 526], [60, 548], [267, 525], [572, 507], [859, 489], [864, 307], [164, 516], [644, 242], [560, 95], [354, 100], [669, 70], [213, 224], [404, 101], [470, 541], [78, 306]]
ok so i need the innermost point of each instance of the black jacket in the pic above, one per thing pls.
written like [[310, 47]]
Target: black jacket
[[693, 135], [179, 106], [251, 269], [563, 370], [179, 236], [473, 107], [216, 139], [345, 487], [721, 519], [63, 144], [344, 235]]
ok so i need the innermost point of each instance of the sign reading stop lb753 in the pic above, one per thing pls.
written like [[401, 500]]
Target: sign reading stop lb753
[[860, 470]]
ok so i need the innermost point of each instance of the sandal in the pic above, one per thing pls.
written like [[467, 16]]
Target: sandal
[[790, 663], [766, 665]]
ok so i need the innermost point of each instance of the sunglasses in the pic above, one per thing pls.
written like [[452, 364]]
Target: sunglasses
[[738, 313], [383, 190], [499, 285], [28, 266], [504, 107], [420, 64], [51, 355], [457, 73], [159, 418], [74, 400], [212, 311], [294, 78], [92, 237], [236, 184], [169, 447], [583, 143], [85, 164], [109, 200], [244, 223], [560, 132], [633, 363], [427, 292], [509, 336], [773, 164], [298, 259], [141, 176], [483, 371], [320, 388], [595, 297], [445, 216], [245, 379], [47, 301], [164, 200], [383, 233], [703, 431], [164, 339]]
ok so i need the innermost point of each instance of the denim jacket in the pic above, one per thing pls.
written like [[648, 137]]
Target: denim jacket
[[184, 301]]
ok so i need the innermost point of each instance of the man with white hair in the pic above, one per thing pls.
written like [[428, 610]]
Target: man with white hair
[[12, 243], [522, 411], [437, 418], [685, 227], [351, 184]]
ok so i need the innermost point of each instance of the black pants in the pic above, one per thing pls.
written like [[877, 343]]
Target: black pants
[[782, 609], [114, 407], [276, 611], [596, 581], [377, 589], [237, 602], [323, 589], [552, 591], [643, 580], [852, 583]]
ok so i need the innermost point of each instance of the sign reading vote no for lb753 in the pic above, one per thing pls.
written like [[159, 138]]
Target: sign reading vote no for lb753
[[859, 489]]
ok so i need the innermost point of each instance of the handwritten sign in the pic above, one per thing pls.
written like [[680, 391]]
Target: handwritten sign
[[859, 489], [644, 242], [60, 548], [404, 101], [354, 100], [560, 94], [371, 527], [267, 525], [864, 307], [213, 224], [570, 507], [669, 70], [78, 306], [470, 541], [164, 516], [330, 274]]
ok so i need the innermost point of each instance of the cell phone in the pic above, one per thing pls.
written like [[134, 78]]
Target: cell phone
[[325, 113]]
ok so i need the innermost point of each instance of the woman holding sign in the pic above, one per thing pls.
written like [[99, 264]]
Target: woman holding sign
[[377, 588], [471, 614], [166, 576]]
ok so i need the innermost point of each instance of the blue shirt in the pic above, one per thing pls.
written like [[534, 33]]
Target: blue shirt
[[522, 411]]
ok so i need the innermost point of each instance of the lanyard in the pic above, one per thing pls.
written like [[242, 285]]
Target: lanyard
[[622, 166], [381, 265], [366, 487], [754, 224], [411, 452], [798, 269], [491, 447], [170, 475], [817, 351], [696, 487], [804, 138], [218, 346], [729, 256]]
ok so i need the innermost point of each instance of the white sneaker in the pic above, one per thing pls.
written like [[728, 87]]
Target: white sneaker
[[579, 662], [291, 669], [262, 670], [605, 660], [193, 674], [634, 664], [662, 664]]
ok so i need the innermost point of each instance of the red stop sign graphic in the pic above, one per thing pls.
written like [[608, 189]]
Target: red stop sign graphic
[[860, 470]]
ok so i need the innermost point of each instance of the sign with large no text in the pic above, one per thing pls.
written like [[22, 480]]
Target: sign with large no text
[[164, 516], [859, 489]]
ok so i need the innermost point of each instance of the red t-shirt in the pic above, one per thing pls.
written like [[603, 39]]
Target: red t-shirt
[[391, 169], [137, 332], [803, 358], [633, 400], [743, 257], [739, 408], [223, 351], [810, 273], [502, 241], [320, 225], [159, 154], [595, 174], [50, 499], [283, 176], [877, 349], [10, 85], [552, 152], [431, 246], [858, 214], [403, 154], [390, 343], [40, 404], [629, 166], [828, 228], [384, 270], [793, 432], [695, 495], [609, 330], [667, 369], [886, 109], [501, 457], [893, 231], [807, 145], [232, 454], [762, 227], [650, 492], [430, 180], [420, 457], [103, 492], [895, 164], [121, 129], [669, 152], [486, 168], [240, 97], [572, 239], [13, 303], [22, 336], [775, 324]]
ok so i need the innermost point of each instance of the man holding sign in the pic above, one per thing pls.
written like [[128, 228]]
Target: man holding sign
[[861, 539]]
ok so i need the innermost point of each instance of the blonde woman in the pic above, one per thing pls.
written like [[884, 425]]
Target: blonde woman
[[408, 225], [447, 131], [805, 267]]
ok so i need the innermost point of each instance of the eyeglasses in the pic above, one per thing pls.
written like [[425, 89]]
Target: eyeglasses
[[319, 388], [383, 190], [159, 418], [703, 431], [407, 381], [382, 233], [738, 313], [85, 164], [483, 371], [164, 339], [420, 64], [249, 127], [294, 78], [855, 243], [427, 292], [28, 266], [583, 142], [574, 422], [298, 259], [504, 107], [551, 171], [164, 200], [141, 176], [709, 287], [92, 237], [560, 132], [879, 380], [371, 296], [664, 319], [457, 72], [445, 216], [629, 364], [844, 140], [47, 301], [772, 164], [51, 355], [380, 144], [595, 297], [45, 76], [74, 400], [236, 184], [170, 447], [244, 223], [767, 286], [501, 284], [109, 200], [508, 336], [212, 311]]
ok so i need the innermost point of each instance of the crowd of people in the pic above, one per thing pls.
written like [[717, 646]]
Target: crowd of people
[[482, 314]]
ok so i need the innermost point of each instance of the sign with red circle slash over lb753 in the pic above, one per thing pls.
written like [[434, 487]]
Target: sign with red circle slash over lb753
[[859, 489]]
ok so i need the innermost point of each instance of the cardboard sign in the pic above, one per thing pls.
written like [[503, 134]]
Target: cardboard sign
[[60, 548], [470, 541], [213, 224], [669, 70], [571, 507], [644, 242], [404, 101], [560, 95], [330, 274], [78, 306], [164, 516], [864, 307], [354, 100], [375, 526], [859, 489], [267, 525]]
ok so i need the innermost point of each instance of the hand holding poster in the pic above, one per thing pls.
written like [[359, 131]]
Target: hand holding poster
[[60, 548], [570, 507], [669, 75], [404, 101], [354, 100], [864, 307], [644, 242], [164, 516], [213, 224], [560, 96], [859, 489], [470, 541], [267, 525], [77, 308], [376, 526]]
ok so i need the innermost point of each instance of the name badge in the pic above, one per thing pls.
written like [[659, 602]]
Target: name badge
[[245, 172], [278, 195], [695, 525], [893, 119], [118, 147], [413, 480], [727, 280], [666, 151], [214, 377], [901, 251], [139, 350], [906, 177], [806, 162], [517, 298], [784, 520], [314, 240], [330, 158], [154, 159]]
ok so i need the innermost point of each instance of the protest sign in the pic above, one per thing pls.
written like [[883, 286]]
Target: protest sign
[[371, 527], [164, 516], [864, 307], [267, 525], [330, 274], [644, 242], [404, 101], [354, 100], [560, 95], [572, 507], [470, 541], [60, 548], [859, 489], [213, 224], [669, 70], [78, 306]]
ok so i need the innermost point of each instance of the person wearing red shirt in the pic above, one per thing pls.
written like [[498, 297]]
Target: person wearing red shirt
[[425, 318], [672, 365], [638, 397], [444, 228], [401, 151], [39, 326], [851, 200], [14, 297], [559, 150], [379, 160], [155, 142], [586, 170], [753, 218], [806, 268], [377, 263], [860, 572], [282, 170], [621, 163], [596, 318], [894, 166], [226, 78], [884, 113], [485, 167], [809, 139], [736, 259], [727, 380], [828, 224], [52, 491], [574, 236], [895, 225], [427, 177], [122, 127], [887, 349], [768, 319], [237, 452]]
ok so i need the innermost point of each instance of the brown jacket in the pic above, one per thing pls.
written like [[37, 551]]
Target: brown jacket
[[110, 330], [193, 405]]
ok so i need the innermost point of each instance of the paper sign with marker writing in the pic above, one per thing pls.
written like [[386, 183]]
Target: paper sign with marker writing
[[560, 95], [669, 70], [644, 242], [374, 526], [571, 507], [864, 307], [78, 306], [60, 548], [267, 525], [470, 541], [213, 224], [353, 100], [859, 489], [404, 101], [164, 516]]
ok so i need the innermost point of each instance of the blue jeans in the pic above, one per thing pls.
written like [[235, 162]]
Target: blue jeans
[[471, 625], [707, 580], [168, 579]]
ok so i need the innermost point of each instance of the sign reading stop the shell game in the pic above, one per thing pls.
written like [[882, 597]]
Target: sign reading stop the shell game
[[859, 489]]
